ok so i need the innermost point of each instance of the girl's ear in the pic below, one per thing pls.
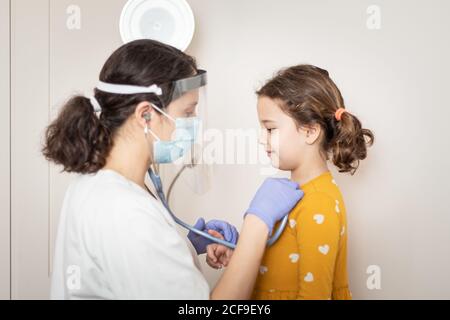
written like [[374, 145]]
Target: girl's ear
[[312, 133]]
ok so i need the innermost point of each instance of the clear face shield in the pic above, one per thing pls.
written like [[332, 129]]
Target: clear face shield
[[187, 111], [185, 108]]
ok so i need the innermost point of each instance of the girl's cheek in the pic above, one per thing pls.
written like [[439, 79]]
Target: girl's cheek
[[284, 144], [289, 150], [274, 141]]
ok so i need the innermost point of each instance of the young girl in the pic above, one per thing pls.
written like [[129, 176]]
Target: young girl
[[304, 122]]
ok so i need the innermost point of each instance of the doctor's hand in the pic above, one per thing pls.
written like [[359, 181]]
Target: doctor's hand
[[274, 200], [226, 230], [218, 256]]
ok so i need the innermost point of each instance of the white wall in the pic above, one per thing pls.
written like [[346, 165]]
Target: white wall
[[394, 79]]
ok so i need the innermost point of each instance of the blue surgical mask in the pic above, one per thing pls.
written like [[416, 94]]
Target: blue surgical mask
[[186, 130]]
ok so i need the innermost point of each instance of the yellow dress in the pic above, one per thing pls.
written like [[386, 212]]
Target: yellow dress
[[309, 261]]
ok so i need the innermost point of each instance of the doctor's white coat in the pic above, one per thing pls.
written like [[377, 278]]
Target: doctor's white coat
[[115, 241]]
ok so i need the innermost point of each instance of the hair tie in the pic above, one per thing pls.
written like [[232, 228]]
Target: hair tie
[[339, 114], [95, 104]]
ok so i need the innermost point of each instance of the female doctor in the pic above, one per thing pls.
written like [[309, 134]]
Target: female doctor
[[115, 238]]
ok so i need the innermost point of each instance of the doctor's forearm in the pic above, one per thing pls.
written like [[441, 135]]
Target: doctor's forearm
[[239, 278]]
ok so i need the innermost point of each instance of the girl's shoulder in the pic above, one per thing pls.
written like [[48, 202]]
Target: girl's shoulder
[[318, 207], [316, 199], [321, 195], [324, 183]]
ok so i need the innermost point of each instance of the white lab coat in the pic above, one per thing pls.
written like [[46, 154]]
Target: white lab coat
[[115, 241]]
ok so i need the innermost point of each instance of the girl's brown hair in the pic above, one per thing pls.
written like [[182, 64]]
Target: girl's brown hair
[[81, 141], [309, 96]]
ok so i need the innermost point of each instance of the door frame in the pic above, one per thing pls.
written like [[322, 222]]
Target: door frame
[[29, 169], [5, 154]]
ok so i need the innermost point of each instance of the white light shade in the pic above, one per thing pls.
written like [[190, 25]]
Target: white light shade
[[168, 21]]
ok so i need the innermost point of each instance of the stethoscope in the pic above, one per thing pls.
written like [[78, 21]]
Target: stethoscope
[[156, 179]]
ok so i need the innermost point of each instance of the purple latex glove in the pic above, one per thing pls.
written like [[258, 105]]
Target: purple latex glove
[[200, 243], [274, 200]]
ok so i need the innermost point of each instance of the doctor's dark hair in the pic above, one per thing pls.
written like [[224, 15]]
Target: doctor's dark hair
[[308, 95], [79, 139]]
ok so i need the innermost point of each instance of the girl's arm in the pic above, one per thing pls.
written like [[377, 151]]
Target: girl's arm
[[239, 278], [273, 200], [319, 240]]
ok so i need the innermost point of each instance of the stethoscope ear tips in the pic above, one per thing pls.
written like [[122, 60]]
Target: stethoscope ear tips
[[147, 116]]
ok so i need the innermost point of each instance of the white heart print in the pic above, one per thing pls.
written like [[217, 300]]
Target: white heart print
[[324, 249], [263, 269], [294, 257], [337, 207], [292, 223], [319, 218], [309, 277]]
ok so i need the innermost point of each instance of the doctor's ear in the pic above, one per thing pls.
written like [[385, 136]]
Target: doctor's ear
[[312, 133], [144, 113], [147, 116]]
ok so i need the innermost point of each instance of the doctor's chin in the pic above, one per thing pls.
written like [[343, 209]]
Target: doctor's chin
[[215, 158]]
